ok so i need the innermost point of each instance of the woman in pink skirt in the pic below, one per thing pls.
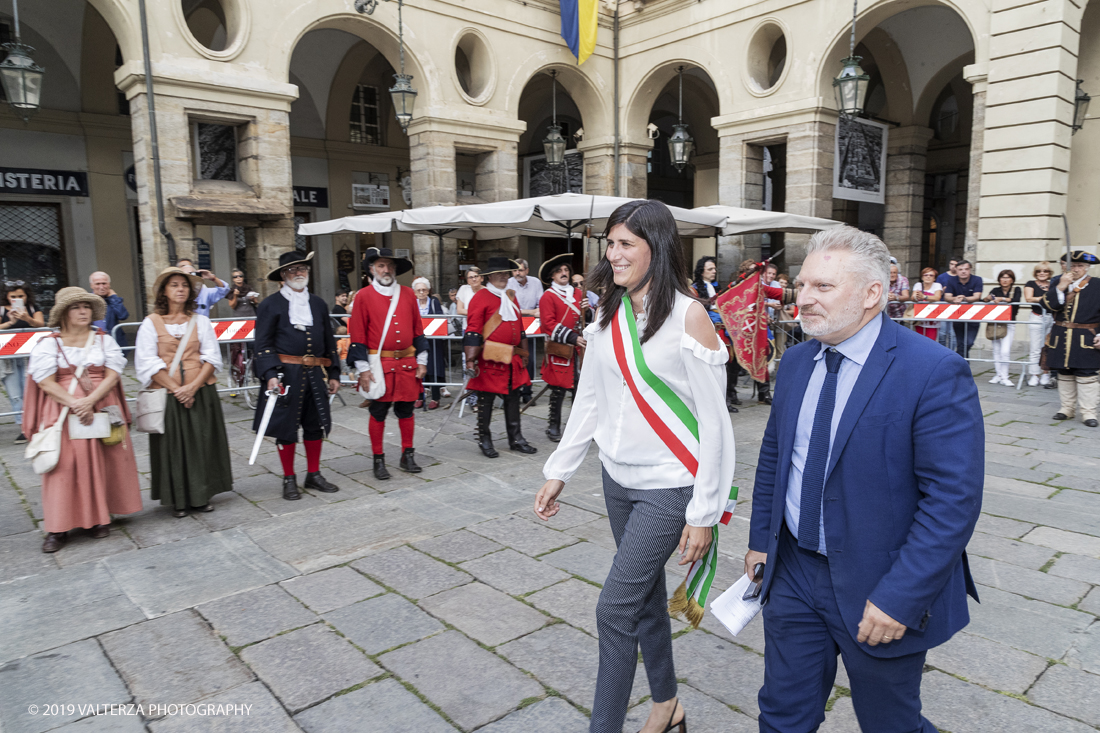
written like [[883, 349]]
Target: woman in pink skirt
[[92, 480]]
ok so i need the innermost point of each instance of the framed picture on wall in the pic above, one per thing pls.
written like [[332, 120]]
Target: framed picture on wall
[[539, 180], [859, 167]]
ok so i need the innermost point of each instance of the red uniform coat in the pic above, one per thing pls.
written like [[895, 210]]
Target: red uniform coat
[[493, 376], [558, 321], [365, 328]]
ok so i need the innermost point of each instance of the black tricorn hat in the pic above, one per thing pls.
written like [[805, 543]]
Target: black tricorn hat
[[494, 265], [551, 266], [374, 253], [1079, 255], [286, 259]]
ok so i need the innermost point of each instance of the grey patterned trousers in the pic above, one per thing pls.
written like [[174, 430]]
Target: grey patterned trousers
[[633, 606]]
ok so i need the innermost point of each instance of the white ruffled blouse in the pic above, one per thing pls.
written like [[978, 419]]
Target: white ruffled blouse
[[631, 452], [45, 356], [147, 361]]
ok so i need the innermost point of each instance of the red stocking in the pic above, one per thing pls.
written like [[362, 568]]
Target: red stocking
[[377, 429], [408, 424], [313, 455], [286, 455]]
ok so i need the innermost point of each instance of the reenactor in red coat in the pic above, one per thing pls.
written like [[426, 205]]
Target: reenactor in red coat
[[496, 354], [385, 322], [560, 319]]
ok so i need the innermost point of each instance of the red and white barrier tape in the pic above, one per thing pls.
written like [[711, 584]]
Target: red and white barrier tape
[[962, 312]]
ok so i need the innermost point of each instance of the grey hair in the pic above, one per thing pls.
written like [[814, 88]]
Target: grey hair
[[522, 263], [871, 258]]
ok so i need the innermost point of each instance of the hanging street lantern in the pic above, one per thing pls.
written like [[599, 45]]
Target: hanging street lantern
[[850, 86], [1080, 107], [681, 145], [402, 93], [554, 144], [22, 77]]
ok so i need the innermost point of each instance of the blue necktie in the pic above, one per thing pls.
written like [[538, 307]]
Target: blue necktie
[[817, 457]]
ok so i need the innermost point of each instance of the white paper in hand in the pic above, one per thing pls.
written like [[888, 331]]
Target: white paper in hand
[[733, 612]]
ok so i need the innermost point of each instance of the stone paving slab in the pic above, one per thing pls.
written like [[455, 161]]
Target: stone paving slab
[[263, 713], [472, 686], [155, 525], [704, 713], [987, 663], [382, 623], [458, 546], [699, 655], [598, 532], [586, 559], [562, 658], [1025, 582], [230, 510], [513, 573], [255, 615], [953, 705], [565, 519], [484, 614], [573, 601], [552, 715], [21, 556], [386, 704], [174, 659], [77, 674], [105, 724], [841, 719], [53, 609], [1043, 511], [82, 548], [14, 519], [1070, 692], [1091, 603], [1072, 542], [1085, 653], [1033, 626], [179, 575], [411, 573], [522, 535], [331, 589], [1016, 552], [1002, 527], [1078, 567], [308, 665]]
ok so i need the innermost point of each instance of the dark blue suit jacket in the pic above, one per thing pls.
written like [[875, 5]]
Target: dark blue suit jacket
[[904, 489]]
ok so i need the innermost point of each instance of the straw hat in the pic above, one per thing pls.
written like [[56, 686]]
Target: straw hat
[[169, 272], [68, 297], [289, 259]]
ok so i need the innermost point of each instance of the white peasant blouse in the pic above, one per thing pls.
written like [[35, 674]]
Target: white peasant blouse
[[631, 452], [147, 361], [45, 358]]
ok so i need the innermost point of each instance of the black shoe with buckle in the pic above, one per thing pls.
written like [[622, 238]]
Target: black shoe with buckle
[[408, 461], [316, 481], [290, 488], [380, 471]]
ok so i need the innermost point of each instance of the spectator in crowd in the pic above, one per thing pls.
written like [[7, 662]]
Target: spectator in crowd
[[451, 306], [1041, 321], [462, 298], [242, 300], [898, 294], [437, 350], [1001, 334], [593, 298], [100, 283], [94, 477], [928, 290], [189, 462], [205, 296], [18, 311], [947, 333], [340, 307], [963, 288], [705, 280], [528, 292]]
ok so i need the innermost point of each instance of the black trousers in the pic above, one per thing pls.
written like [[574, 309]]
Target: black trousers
[[313, 427]]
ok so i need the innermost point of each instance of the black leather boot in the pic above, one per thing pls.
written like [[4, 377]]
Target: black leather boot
[[380, 471], [408, 462], [290, 488], [553, 430], [516, 441], [764, 393], [484, 416], [316, 481]]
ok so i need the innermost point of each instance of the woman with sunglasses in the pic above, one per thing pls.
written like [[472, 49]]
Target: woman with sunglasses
[[1041, 321], [18, 311]]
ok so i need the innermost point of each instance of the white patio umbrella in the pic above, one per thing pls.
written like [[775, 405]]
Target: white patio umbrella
[[363, 224], [752, 221]]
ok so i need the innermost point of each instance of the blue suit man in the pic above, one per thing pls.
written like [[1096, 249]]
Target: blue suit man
[[867, 491]]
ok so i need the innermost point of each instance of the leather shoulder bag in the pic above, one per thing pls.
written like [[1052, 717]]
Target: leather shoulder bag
[[149, 411]]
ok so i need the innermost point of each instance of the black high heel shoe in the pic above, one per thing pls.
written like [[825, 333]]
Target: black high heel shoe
[[682, 725]]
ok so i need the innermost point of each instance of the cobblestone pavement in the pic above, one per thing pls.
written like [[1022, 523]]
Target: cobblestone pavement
[[433, 602]]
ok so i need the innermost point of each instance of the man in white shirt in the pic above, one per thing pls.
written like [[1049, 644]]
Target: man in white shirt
[[528, 292]]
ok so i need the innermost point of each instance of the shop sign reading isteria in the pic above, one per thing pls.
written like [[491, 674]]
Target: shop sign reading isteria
[[43, 183]]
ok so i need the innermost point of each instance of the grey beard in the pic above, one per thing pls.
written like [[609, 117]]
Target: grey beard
[[385, 280], [837, 322]]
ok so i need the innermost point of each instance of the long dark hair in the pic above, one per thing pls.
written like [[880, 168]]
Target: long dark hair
[[697, 280], [19, 285], [160, 300], [667, 274]]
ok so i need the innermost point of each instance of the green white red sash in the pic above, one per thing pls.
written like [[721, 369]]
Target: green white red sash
[[678, 429]]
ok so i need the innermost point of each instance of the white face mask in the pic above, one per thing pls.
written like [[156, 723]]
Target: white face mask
[[298, 283]]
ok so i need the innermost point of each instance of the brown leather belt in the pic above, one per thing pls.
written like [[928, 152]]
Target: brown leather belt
[[1086, 326], [403, 354], [306, 361]]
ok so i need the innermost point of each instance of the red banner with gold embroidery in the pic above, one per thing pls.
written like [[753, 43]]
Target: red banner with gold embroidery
[[746, 320]]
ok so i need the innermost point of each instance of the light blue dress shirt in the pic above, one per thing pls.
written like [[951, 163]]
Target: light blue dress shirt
[[856, 350], [207, 297]]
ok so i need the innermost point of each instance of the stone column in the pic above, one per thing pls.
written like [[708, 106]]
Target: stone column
[[497, 179], [977, 76], [810, 152], [731, 192], [599, 167], [907, 151], [432, 163]]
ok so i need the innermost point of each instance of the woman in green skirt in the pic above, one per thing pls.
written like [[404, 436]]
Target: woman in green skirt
[[190, 461]]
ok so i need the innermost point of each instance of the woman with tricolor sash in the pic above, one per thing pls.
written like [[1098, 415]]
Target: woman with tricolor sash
[[651, 393]]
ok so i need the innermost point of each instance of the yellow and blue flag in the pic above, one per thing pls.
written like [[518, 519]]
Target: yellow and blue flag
[[578, 26]]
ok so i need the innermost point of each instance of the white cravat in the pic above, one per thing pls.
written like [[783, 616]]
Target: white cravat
[[507, 311], [300, 312], [565, 292], [386, 290]]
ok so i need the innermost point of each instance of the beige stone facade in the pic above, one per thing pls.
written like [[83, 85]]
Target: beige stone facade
[[977, 101]]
